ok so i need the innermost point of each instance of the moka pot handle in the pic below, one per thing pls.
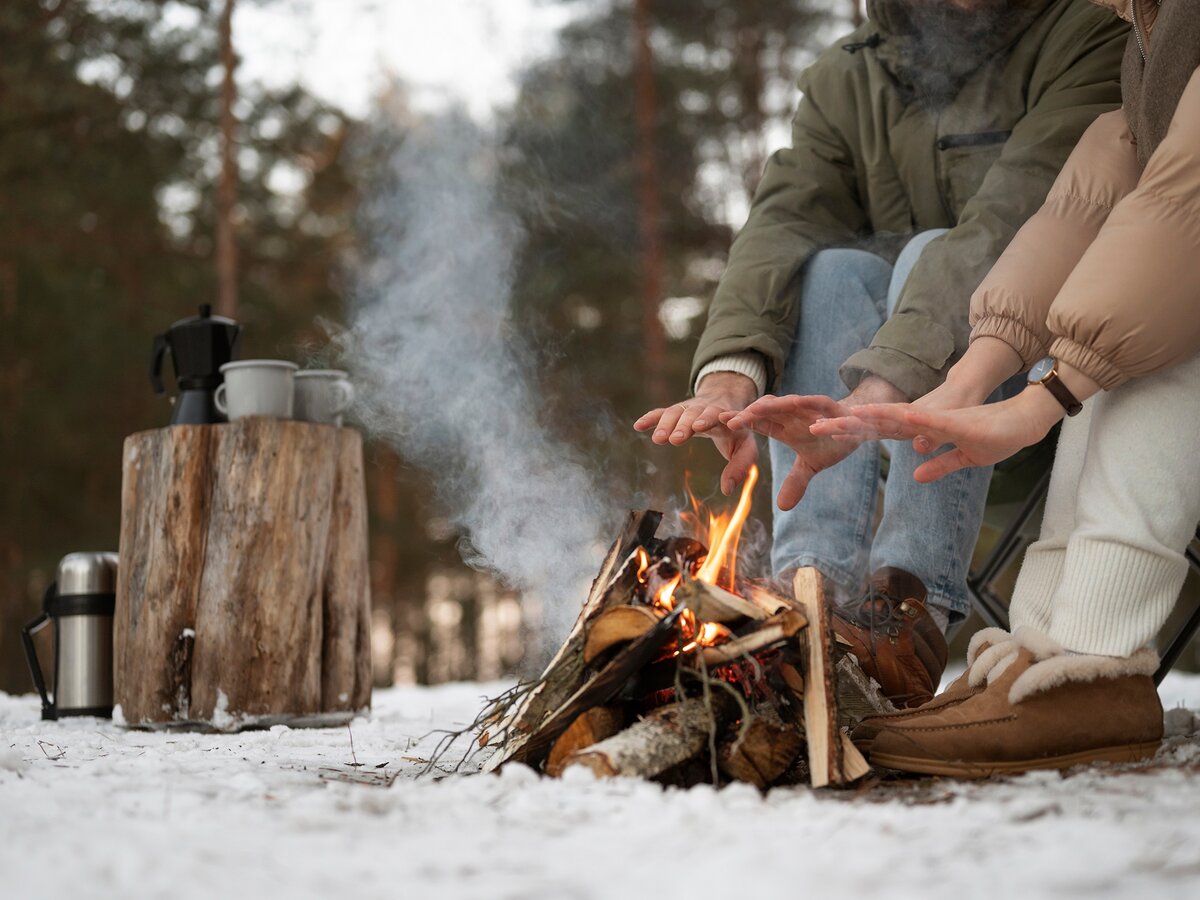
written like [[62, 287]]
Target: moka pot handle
[[35, 667], [156, 363]]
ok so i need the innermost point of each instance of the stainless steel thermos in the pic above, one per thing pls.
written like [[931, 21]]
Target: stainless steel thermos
[[80, 604]]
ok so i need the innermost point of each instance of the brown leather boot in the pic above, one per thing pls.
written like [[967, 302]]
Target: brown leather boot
[[1039, 711], [966, 685], [894, 638]]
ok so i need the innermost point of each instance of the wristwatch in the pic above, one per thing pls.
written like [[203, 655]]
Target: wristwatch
[[1045, 373]]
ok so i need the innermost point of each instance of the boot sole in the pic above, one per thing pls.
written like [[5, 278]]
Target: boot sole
[[964, 769]]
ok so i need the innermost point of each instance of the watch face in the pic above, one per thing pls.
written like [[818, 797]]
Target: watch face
[[1041, 369]]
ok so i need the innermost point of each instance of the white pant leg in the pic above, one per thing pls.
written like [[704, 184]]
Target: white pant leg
[[1042, 568], [1136, 511]]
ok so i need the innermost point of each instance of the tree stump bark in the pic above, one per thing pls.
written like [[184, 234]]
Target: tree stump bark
[[243, 596]]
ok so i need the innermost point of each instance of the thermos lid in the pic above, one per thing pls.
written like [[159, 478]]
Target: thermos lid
[[87, 573]]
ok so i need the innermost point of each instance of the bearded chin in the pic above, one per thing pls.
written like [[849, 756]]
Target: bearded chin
[[943, 44]]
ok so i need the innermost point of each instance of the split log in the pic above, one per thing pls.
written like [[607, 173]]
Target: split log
[[711, 603], [775, 630], [565, 674], [767, 600], [243, 595], [760, 752], [667, 737], [857, 693], [617, 625], [599, 689], [832, 759], [595, 725]]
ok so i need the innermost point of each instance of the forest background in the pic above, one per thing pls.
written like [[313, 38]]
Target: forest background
[[137, 182]]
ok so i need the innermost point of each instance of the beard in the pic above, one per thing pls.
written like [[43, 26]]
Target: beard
[[937, 45]]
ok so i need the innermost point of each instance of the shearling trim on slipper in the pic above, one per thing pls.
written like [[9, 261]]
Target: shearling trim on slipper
[[1058, 670], [982, 639], [992, 663], [1037, 643]]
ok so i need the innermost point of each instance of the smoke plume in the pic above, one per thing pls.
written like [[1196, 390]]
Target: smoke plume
[[446, 377]]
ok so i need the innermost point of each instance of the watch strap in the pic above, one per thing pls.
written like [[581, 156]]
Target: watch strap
[[1061, 392]]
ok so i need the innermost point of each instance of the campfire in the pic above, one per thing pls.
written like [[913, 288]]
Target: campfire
[[679, 670]]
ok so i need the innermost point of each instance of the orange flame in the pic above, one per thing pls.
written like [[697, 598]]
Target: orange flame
[[724, 532]]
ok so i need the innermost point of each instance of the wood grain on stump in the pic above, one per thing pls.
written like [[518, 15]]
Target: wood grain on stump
[[242, 594]]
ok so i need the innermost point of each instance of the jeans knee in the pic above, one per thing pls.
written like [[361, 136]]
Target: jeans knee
[[829, 273]]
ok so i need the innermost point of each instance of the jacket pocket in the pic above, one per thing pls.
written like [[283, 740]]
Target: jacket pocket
[[964, 161]]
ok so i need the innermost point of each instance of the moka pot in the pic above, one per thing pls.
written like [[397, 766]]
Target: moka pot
[[80, 605]]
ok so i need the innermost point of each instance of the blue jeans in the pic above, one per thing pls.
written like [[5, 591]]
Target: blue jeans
[[926, 529]]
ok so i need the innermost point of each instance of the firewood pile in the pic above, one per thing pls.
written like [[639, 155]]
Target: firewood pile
[[670, 675]]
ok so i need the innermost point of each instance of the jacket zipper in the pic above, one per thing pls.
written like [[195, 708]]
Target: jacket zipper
[[951, 141], [1137, 30]]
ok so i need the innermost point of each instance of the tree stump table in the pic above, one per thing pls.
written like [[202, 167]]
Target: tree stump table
[[243, 597]]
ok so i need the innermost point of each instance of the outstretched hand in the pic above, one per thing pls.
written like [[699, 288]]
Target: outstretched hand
[[979, 435], [789, 420], [719, 394]]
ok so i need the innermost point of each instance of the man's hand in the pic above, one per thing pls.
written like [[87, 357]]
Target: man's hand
[[790, 420], [717, 394]]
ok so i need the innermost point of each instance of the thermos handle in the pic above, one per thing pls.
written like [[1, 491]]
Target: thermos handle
[[156, 363], [35, 667]]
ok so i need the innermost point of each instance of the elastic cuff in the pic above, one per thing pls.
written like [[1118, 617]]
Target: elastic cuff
[[1087, 361], [1114, 598], [749, 364], [1029, 346], [1037, 583]]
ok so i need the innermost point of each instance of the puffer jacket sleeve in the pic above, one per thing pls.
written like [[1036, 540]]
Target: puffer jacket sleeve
[[1014, 300], [807, 199], [1132, 305]]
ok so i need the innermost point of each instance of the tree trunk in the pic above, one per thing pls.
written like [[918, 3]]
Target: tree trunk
[[649, 205], [227, 292], [243, 595]]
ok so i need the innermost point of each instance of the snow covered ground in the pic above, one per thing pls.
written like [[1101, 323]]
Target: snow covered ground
[[90, 810]]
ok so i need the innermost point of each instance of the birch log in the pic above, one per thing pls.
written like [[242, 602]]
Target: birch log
[[243, 595]]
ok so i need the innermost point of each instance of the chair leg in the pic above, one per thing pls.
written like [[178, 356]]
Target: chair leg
[[1189, 628]]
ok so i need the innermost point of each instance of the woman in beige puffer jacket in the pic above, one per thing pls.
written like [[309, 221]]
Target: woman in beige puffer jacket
[[1098, 296]]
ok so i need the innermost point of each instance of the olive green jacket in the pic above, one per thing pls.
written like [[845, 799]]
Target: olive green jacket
[[864, 166]]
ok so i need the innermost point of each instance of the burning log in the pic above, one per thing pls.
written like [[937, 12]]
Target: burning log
[[666, 737], [715, 604], [616, 626], [776, 630]]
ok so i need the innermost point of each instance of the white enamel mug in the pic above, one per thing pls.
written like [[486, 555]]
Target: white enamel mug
[[257, 387], [323, 396]]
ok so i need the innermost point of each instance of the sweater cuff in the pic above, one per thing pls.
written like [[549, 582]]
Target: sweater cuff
[[1027, 343], [749, 364], [1089, 362]]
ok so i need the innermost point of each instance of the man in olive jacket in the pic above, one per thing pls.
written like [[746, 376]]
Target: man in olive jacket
[[923, 142]]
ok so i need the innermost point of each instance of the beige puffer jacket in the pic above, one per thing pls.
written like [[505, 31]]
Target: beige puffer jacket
[[1106, 276]]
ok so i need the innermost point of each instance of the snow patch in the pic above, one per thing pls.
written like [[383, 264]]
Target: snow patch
[[285, 813]]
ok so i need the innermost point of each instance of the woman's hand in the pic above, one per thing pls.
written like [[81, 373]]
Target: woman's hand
[[981, 435]]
